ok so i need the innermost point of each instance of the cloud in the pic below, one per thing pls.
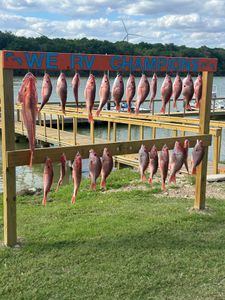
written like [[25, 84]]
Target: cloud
[[193, 23]]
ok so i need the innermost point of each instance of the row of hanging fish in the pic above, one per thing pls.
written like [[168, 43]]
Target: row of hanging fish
[[151, 160], [97, 167], [168, 90]]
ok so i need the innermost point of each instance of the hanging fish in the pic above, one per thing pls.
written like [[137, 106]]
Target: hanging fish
[[77, 175], [107, 165], [177, 89], [89, 95], [177, 160], [188, 91], [104, 93], [166, 92], [62, 170], [61, 90], [75, 86], [153, 163], [198, 90], [46, 90], [130, 91], [95, 167], [186, 146], [143, 156], [163, 165], [197, 155], [153, 89], [142, 92], [118, 91], [28, 98], [48, 179]]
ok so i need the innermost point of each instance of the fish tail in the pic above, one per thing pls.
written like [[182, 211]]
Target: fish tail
[[136, 110], [172, 179], [197, 104], [174, 104], [93, 186], [98, 112], [64, 110], [44, 201], [103, 184], [143, 178], [73, 199], [163, 186], [90, 118], [117, 107], [163, 109], [150, 180], [188, 107], [193, 171], [31, 158], [58, 184], [129, 108]]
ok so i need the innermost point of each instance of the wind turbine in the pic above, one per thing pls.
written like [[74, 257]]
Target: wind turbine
[[126, 37]]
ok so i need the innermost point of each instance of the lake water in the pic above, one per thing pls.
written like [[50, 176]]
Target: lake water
[[28, 178]]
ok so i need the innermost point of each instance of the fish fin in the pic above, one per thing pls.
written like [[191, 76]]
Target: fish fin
[[163, 186], [93, 186], [117, 107], [150, 180], [143, 178], [172, 179], [98, 113], [90, 118], [103, 184], [174, 104], [193, 171], [31, 158], [44, 201], [188, 107], [197, 104], [163, 110], [73, 199]]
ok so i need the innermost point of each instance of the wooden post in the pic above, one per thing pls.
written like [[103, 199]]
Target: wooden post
[[219, 143], [58, 129], [109, 132], [215, 154], [205, 107], [153, 132], [63, 123], [9, 175], [39, 118], [141, 132], [114, 132], [129, 133], [92, 132], [45, 132], [50, 120], [74, 131], [174, 133]]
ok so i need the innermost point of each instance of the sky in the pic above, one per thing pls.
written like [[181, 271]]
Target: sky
[[187, 22]]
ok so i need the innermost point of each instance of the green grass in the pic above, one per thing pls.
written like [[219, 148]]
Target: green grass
[[118, 245]]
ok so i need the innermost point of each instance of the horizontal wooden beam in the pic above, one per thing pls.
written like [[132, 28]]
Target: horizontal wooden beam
[[21, 157], [76, 61]]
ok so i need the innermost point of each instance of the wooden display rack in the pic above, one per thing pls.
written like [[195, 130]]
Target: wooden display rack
[[10, 60]]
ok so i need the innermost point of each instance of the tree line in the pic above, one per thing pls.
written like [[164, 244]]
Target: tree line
[[9, 41]]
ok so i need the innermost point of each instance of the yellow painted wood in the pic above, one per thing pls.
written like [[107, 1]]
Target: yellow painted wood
[[205, 106], [62, 122], [21, 157], [215, 154], [45, 133], [129, 132], [58, 129], [8, 144], [92, 132], [114, 132], [174, 133], [141, 132], [74, 131], [39, 118], [153, 132], [109, 132]]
